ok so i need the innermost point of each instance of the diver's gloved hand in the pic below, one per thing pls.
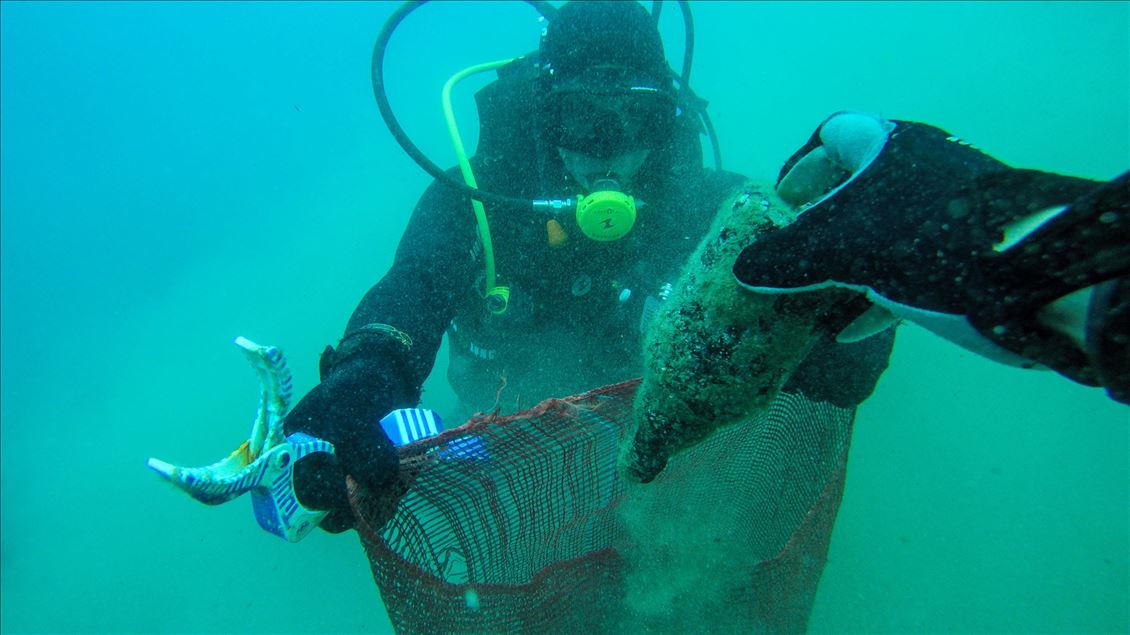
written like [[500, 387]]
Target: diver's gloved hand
[[939, 233], [841, 147], [345, 409]]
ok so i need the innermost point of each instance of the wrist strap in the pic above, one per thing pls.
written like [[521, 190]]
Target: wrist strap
[[353, 342]]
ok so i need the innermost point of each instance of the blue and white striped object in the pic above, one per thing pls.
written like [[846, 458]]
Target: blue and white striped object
[[411, 424]]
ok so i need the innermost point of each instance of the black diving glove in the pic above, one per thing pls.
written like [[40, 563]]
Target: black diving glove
[[345, 409], [1025, 267]]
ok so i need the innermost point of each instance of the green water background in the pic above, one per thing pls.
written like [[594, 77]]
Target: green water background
[[175, 174]]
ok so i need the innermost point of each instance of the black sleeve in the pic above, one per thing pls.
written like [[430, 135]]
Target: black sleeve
[[433, 269]]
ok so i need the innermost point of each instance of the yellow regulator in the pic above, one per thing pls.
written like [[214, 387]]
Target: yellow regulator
[[606, 215]]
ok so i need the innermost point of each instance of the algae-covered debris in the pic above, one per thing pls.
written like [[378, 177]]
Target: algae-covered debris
[[717, 353]]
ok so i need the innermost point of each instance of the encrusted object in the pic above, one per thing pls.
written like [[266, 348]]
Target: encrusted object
[[716, 353]]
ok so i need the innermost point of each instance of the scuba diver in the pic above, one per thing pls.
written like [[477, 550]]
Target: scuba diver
[[545, 266], [609, 124]]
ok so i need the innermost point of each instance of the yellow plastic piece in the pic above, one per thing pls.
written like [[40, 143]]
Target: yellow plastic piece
[[555, 233]]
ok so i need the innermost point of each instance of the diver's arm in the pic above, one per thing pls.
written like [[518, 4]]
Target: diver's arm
[[379, 365], [1025, 267], [434, 267], [716, 353]]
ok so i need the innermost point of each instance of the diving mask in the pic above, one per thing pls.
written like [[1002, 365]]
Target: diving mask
[[604, 124]]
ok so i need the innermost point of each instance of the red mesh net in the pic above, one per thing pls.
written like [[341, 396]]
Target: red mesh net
[[522, 524]]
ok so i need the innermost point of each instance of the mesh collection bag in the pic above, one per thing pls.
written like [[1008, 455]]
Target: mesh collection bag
[[522, 524]]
